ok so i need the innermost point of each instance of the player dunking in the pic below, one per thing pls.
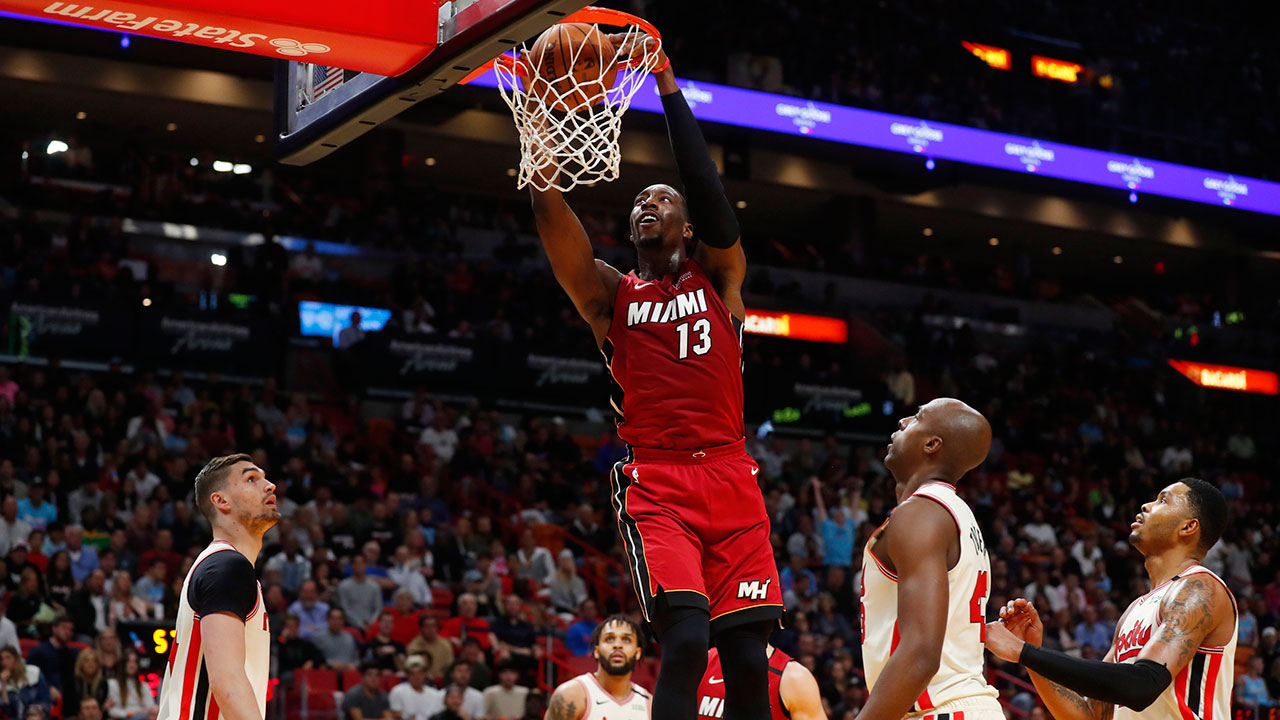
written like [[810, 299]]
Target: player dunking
[[608, 692], [1174, 650], [925, 577], [221, 656], [793, 692], [689, 510]]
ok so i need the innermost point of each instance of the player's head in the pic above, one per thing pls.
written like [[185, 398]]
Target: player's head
[[945, 436], [1190, 513], [232, 489], [660, 221], [617, 644]]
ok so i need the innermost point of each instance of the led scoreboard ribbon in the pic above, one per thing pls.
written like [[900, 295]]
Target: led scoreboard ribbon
[[1227, 377], [936, 140]]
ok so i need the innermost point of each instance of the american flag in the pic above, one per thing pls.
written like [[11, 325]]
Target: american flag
[[324, 79]]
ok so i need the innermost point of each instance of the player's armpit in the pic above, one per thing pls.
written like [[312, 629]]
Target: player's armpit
[[568, 702], [224, 657], [800, 693], [1190, 613], [590, 284]]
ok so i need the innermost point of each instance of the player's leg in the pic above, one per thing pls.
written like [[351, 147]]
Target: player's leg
[[742, 578], [665, 554], [684, 634], [745, 664]]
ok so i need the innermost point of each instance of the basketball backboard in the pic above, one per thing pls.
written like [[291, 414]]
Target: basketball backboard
[[319, 109]]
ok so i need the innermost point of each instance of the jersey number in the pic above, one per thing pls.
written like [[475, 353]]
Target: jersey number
[[703, 328], [978, 605]]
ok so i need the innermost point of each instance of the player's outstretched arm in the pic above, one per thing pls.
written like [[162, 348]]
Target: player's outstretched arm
[[800, 693], [223, 634], [1020, 622], [921, 564], [1190, 611], [568, 702], [714, 223], [590, 283]]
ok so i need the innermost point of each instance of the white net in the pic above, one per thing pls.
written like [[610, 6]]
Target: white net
[[569, 125]]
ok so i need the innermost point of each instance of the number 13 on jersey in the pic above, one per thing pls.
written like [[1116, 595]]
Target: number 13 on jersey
[[702, 337]]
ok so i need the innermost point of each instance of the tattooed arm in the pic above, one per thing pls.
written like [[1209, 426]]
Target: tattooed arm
[[1194, 613], [1197, 612], [568, 702], [1066, 704]]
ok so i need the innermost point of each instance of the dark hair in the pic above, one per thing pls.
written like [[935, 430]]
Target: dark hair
[[212, 478], [618, 618], [367, 666], [1209, 507]]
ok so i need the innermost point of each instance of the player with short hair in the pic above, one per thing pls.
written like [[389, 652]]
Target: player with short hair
[[687, 501], [221, 655], [1174, 650], [926, 576], [793, 692], [617, 644]]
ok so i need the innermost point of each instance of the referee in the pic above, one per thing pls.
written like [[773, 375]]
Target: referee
[[221, 657]]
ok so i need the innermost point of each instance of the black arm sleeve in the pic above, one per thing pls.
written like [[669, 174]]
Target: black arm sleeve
[[223, 582], [713, 220], [1134, 686]]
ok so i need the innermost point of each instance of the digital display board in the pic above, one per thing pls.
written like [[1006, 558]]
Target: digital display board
[[1226, 377], [936, 140], [796, 326], [321, 319]]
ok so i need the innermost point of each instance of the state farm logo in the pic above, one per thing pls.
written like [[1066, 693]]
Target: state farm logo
[[210, 35], [293, 48]]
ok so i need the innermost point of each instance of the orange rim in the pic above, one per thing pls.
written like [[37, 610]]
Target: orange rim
[[589, 14]]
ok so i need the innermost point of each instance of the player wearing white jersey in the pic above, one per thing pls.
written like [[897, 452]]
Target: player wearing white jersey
[[221, 657], [608, 693], [1173, 653], [925, 576]]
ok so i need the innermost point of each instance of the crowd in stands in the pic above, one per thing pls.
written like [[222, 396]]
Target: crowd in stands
[[452, 552], [443, 555], [1160, 82]]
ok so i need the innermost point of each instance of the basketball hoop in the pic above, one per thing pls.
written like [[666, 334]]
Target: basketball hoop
[[569, 129]]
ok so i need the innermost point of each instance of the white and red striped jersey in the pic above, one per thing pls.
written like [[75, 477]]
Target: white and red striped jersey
[[960, 673], [1202, 690], [603, 706], [221, 580]]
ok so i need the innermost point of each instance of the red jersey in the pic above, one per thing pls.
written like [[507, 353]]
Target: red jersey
[[711, 691], [675, 354]]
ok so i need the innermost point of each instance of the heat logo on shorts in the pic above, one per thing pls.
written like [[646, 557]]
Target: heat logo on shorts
[[754, 589]]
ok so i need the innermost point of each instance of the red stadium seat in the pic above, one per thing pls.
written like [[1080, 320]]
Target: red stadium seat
[[349, 679], [26, 644], [389, 680], [316, 680], [441, 598]]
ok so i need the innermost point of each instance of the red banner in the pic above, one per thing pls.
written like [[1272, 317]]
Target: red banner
[[1226, 377], [385, 38], [797, 326]]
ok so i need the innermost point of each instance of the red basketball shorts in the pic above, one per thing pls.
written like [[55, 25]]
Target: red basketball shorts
[[696, 533]]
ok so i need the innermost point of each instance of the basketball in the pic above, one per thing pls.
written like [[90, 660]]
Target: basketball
[[574, 66]]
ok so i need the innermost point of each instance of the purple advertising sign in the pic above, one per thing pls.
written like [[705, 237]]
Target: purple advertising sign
[[899, 133]]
